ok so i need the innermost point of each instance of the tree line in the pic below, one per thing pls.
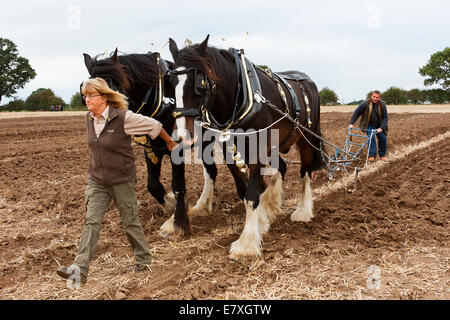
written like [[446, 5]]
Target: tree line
[[16, 71], [44, 99], [393, 95]]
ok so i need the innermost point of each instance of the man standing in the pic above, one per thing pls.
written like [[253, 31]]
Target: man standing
[[374, 116]]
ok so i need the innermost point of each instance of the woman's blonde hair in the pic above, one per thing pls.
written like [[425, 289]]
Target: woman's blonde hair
[[99, 86]]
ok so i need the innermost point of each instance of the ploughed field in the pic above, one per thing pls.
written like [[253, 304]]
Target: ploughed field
[[382, 236]]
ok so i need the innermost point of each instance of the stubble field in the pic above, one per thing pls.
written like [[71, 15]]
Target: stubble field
[[395, 222]]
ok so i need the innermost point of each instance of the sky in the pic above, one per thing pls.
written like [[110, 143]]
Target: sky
[[352, 47]]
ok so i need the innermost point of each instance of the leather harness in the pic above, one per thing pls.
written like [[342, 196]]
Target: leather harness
[[250, 86], [205, 88]]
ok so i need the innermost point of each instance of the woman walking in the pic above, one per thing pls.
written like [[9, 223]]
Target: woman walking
[[112, 173]]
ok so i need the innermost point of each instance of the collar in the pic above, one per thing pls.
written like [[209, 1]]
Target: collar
[[104, 114]]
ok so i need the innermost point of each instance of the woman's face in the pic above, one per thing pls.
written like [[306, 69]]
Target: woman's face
[[95, 102]]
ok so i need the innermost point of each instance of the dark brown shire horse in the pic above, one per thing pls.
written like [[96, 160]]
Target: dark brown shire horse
[[218, 68], [137, 76]]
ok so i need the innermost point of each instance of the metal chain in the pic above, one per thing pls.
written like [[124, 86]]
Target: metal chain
[[298, 125]]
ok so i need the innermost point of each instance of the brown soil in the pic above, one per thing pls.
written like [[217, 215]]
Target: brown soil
[[397, 220]]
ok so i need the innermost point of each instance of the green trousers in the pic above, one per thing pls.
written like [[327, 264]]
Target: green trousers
[[98, 198]]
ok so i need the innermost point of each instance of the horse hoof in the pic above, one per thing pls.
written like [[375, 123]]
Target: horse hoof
[[169, 229], [169, 203], [301, 216], [166, 235], [240, 249], [198, 212]]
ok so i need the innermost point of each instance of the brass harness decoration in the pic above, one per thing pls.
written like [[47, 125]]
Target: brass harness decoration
[[283, 94], [145, 142]]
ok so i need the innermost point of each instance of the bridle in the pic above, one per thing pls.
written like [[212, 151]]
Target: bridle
[[204, 87]]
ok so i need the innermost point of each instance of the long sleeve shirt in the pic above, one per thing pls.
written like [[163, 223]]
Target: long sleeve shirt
[[134, 124], [374, 117]]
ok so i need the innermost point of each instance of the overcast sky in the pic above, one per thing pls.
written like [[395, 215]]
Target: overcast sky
[[351, 47]]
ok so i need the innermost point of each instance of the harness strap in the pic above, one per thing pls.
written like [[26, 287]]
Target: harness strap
[[181, 112], [295, 102], [147, 95]]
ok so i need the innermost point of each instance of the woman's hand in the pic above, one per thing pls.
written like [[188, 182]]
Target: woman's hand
[[171, 145]]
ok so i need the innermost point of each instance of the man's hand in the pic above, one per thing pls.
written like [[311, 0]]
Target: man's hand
[[350, 126], [379, 130]]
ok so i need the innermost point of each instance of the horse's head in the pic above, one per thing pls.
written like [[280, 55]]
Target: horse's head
[[194, 79], [109, 69], [133, 75]]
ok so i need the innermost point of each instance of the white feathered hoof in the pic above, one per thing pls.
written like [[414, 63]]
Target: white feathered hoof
[[302, 214], [304, 211], [199, 211], [244, 248], [203, 207], [169, 229], [169, 203], [250, 242]]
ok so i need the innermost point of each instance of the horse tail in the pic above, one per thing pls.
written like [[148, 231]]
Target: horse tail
[[319, 148]]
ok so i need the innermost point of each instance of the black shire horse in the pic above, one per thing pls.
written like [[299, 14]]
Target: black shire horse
[[218, 68], [137, 77]]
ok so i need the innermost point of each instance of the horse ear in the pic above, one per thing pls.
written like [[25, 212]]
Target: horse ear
[[202, 47], [173, 49], [88, 62], [114, 56]]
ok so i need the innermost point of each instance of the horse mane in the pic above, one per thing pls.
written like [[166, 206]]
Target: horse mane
[[141, 69], [133, 70], [213, 64]]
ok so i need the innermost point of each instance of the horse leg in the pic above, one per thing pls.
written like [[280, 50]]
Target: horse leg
[[272, 197], [240, 179], [155, 187], [262, 204], [179, 223], [203, 207], [304, 210]]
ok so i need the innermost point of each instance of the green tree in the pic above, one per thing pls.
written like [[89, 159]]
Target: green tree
[[15, 71], [437, 96], [416, 96], [75, 102], [15, 105], [395, 95], [437, 69], [355, 102], [43, 99], [328, 97]]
